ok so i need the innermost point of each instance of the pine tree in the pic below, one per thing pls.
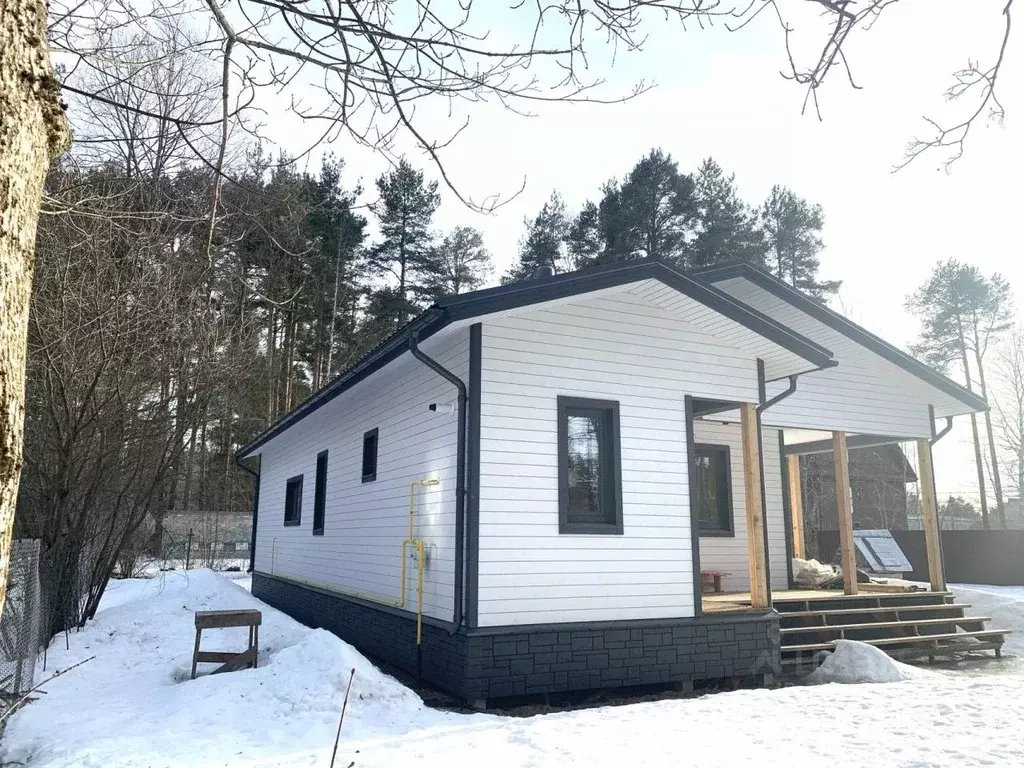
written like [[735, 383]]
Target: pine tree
[[336, 271], [543, 243], [404, 212], [961, 312], [584, 243], [651, 214], [728, 229], [457, 264], [383, 305], [792, 227]]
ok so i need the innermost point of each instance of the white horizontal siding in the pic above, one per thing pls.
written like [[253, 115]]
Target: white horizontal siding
[[864, 394], [365, 523], [616, 347], [729, 553]]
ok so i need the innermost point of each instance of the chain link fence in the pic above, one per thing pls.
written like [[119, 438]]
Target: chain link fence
[[216, 539], [21, 622]]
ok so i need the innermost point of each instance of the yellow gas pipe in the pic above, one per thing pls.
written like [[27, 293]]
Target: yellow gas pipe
[[420, 553]]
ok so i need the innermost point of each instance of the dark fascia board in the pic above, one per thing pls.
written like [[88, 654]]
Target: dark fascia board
[[848, 328], [620, 273], [489, 300]]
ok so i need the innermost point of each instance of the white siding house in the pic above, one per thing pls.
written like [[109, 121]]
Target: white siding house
[[604, 467], [365, 522], [616, 348]]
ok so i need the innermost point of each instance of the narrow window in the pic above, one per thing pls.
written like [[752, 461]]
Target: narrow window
[[589, 470], [293, 501], [714, 490], [320, 495], [370, 456]]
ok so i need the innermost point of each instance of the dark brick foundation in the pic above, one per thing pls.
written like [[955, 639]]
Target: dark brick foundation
[[491, 663]]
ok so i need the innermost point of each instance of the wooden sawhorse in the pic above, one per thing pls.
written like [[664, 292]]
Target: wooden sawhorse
[[229, 660]]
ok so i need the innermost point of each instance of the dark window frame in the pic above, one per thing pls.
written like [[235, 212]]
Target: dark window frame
[[727, 530], [612, 491], [291, 481], [320, 494], [371, 475]]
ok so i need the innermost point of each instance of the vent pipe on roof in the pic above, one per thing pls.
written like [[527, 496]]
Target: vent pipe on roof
[[544, 272]]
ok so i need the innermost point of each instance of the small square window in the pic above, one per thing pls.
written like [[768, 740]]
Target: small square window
[[293, 501], [714, 490], [370, 456], [589, 470], [320, 494]]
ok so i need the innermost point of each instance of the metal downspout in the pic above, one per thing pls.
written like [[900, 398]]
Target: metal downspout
[[255, 510], [460, 475], [763, 405]]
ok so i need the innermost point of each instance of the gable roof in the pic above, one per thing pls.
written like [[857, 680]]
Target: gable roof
[[840, 324], [506, 297]]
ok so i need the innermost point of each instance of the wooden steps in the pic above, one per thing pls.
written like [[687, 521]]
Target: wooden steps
[[896, 609], [906, 625], [990, 633], [843, 628]]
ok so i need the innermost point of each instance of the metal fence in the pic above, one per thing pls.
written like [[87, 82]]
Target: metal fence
[[21, 622], [214, 539]]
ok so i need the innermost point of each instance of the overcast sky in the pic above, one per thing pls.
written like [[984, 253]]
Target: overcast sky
[[721, 94]]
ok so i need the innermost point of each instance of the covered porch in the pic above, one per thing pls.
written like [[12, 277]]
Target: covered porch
[[907, 622], [761, 477]]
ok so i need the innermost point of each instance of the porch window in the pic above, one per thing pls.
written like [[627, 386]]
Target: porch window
[[293, 501], [714, 490], [589, 469]]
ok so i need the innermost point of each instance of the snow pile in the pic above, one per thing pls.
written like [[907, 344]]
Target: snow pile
[[811, 574], [135, 704], [1005, 606], [854, 662]]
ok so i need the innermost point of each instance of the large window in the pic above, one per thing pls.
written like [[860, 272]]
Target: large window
[[589, 471], [714, 490], [370, 456], [293, 501], [320, 494]]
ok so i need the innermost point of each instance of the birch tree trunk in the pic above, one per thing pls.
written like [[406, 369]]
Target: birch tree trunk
[[33, 132]]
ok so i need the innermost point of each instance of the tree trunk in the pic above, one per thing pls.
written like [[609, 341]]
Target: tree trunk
[[997, 484], [334, 313], [271, 370], [33, 132], [977, 442], [289, 359]]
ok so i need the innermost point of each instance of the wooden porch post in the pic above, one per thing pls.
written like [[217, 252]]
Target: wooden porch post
[[844, 512], [796, 505], [930, 514], [754, 509]]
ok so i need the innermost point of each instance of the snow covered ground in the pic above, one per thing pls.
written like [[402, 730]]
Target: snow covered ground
[[134, 705]]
